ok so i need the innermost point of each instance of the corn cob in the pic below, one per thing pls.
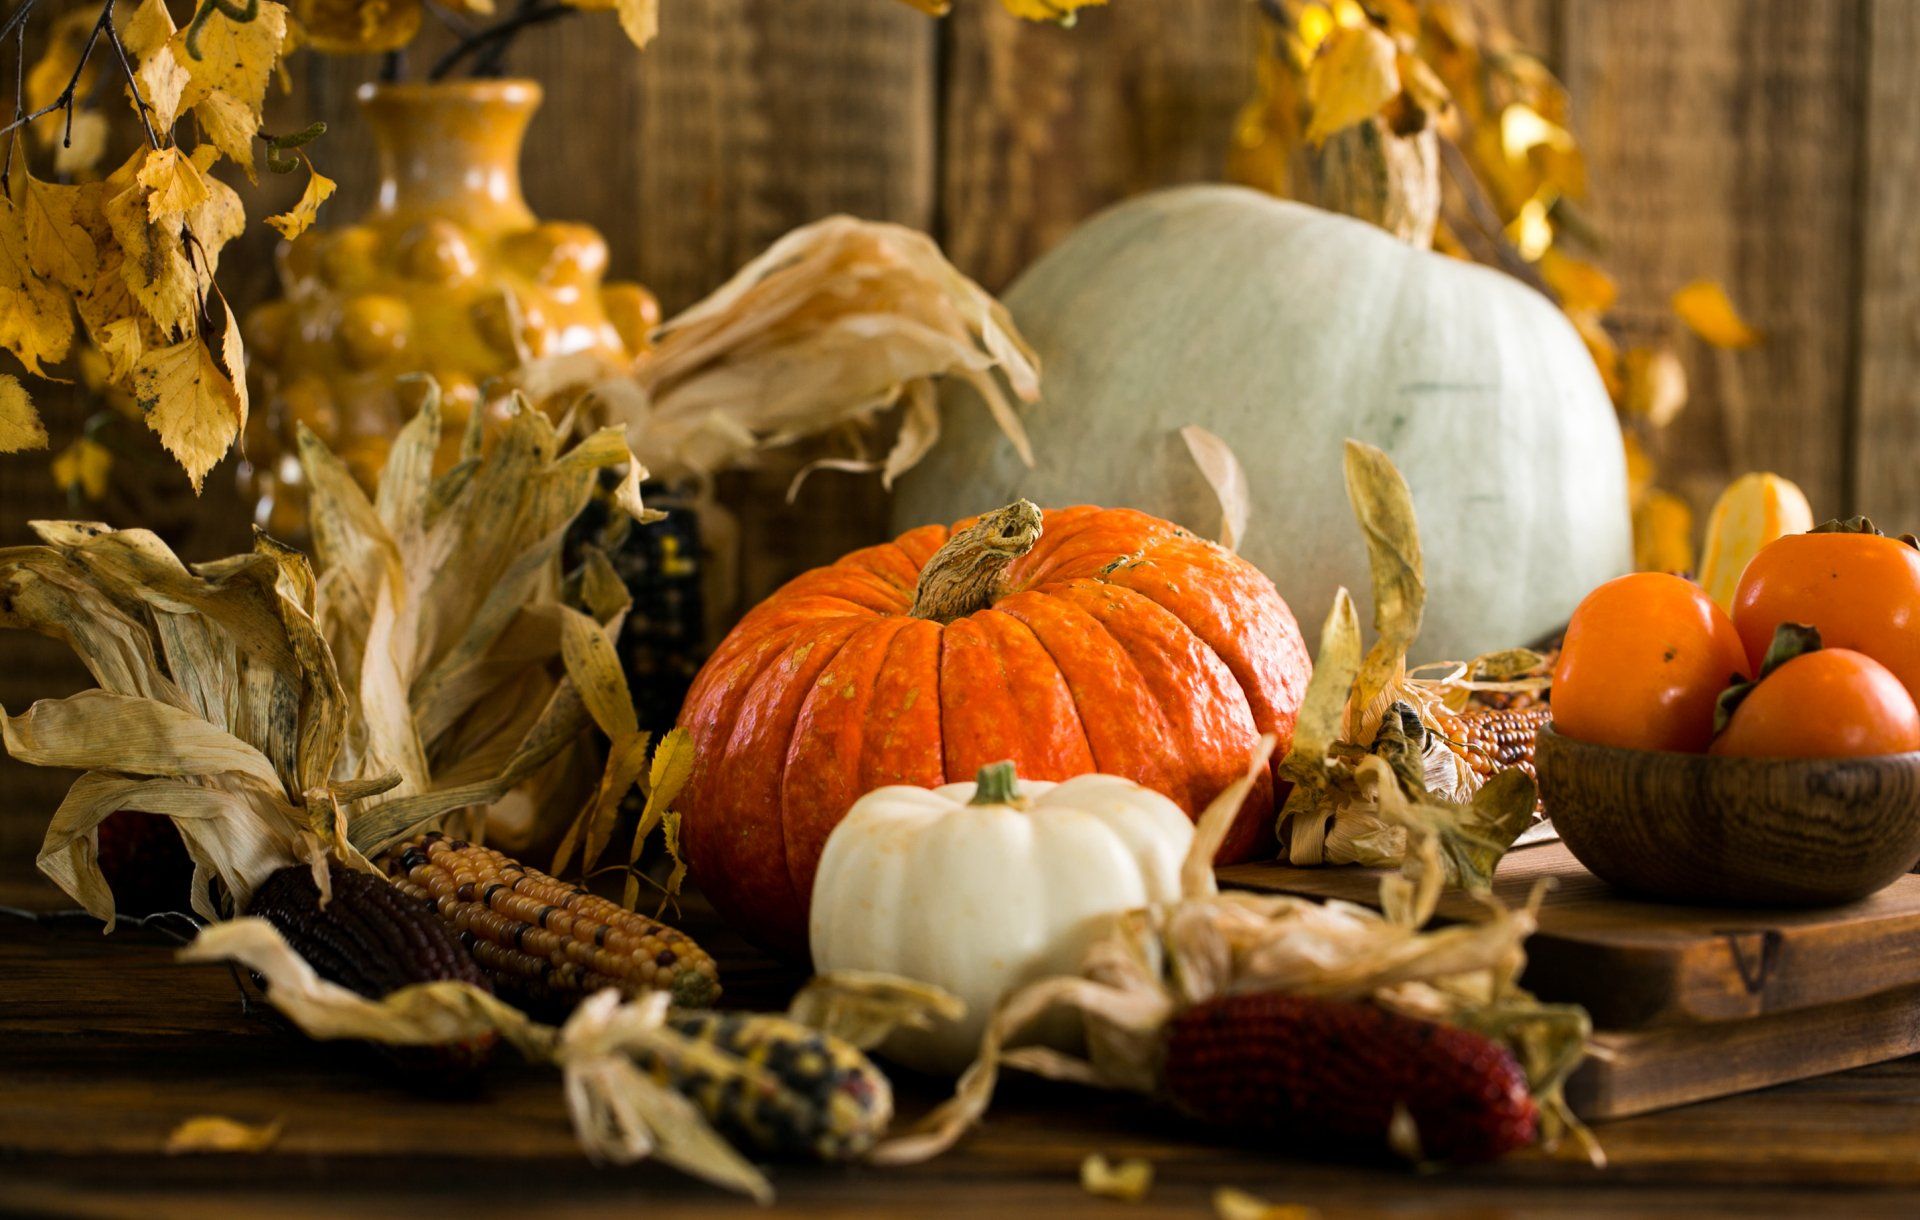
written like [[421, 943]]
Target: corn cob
[[1492, 740], [372, 939], [826, 1101], [145, 863], [547, 944], [1311, 1068]]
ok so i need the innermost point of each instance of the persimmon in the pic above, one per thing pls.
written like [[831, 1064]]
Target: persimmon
[[1833, 703], [1645, 657], [1860, 589]]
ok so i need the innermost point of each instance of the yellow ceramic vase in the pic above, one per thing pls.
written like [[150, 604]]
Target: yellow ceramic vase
[[449, 275]]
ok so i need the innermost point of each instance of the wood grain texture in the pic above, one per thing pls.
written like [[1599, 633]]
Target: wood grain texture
[[83, 1116], [1635, 964], [1043, 126], [1647, 1070], [1733, 831], [1723, 142], [1886, 434]]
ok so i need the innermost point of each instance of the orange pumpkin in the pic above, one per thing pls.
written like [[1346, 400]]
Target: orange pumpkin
[[1080, 640]]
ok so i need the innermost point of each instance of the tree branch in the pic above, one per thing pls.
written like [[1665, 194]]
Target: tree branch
[[497, 35]]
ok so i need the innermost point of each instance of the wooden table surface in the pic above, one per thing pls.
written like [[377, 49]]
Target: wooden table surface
[[106, 1044]]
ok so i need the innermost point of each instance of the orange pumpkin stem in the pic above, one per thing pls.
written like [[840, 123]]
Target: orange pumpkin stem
[[968, 573]]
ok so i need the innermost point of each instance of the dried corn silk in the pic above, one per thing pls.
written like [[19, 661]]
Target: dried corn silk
[[1161, 959]]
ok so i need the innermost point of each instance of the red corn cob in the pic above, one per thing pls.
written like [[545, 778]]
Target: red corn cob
[[1290, 1064], [145, 863]]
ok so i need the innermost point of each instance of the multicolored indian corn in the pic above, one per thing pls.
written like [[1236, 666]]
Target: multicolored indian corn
[[1491, 740], [372, 939], [814, 1096], [547, 944]]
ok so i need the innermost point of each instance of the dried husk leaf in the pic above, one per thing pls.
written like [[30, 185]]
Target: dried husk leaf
[[620, 1113], [836, 322], [1228, 479], [1128, 1180], [862, 1007]]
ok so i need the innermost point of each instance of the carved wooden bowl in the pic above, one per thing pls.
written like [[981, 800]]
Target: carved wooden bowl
[[1733, 831]]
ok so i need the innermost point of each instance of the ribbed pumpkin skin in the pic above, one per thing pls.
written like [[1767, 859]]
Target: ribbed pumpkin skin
[[1125, 645]]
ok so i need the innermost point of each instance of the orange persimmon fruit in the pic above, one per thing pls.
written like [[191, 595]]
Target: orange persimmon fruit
[[1833, 703], [1861, 590], [1645, 657]]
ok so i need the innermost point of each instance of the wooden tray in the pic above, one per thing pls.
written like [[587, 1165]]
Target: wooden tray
[[1635, 964], [1691, 1002]]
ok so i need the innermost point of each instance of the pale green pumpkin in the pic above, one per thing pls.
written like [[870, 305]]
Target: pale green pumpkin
[[1284, 330]]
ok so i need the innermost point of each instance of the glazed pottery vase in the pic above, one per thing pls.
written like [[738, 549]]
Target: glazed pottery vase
[[449, 275]]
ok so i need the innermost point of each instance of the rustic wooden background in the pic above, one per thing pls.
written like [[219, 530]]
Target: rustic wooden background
[[1768, 144]]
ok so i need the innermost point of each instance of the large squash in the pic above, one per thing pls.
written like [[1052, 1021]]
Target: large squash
[[1285, 329], [1088, 640]]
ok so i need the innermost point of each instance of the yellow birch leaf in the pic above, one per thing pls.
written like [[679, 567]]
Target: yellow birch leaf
[[1578, 283], [121, 342], [148, 29], [212, 1133], [640, 19], [20, 426], [1640, 469], [231, 356], [1662, 533], [235, 56], [174, 183], [1704, 307], [358, 27], [36, 324], [300, 218], [83, 467], [1600, 345], [163, 81], [1060, 12], [153, 264], [230, 126], [219, 219], [1656, 385], [80, 147], [58, 246], [190, 403], [1352, 77]]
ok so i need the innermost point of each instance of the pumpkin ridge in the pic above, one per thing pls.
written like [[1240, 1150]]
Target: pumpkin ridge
[[1016, 685], [1151, 768], [1073, 696]]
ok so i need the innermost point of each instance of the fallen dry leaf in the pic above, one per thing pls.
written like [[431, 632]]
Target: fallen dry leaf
[[1706, 309], [212, 1133], [1128, 1180]]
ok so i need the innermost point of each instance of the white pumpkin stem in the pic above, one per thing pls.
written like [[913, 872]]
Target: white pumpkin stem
[[995, 784], [967, 574]]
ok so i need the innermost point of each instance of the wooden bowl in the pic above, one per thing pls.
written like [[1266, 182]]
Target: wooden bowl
[[1733, 831]]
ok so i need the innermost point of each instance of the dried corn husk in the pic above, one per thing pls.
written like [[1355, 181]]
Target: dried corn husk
[[1160, 959], [221, 702], [1372, 706], [620, 1114]]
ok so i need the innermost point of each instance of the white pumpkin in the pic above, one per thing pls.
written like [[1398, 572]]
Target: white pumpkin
[[981, 887], [1285, 330]]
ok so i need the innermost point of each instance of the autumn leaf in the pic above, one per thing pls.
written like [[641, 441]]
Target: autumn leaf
[[235, 56], [1662, 533], [1656, 386], [1579, 284], [230, 126], [1703, 305], [20, 426], [58, 245], [174, 183], [148, 29], [36, 323], [163, 81], [153, 264], [640, 19], [1354, 74], [82, 144], [300, 218], [1061, 12], [82, 468], [190, 403], [121, 342], [358, 27]]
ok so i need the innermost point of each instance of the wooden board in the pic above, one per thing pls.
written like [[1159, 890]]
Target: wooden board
[[1636, 965], [1641, 1071]]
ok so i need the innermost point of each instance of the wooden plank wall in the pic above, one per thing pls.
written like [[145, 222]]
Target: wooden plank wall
[[1765, 143]]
